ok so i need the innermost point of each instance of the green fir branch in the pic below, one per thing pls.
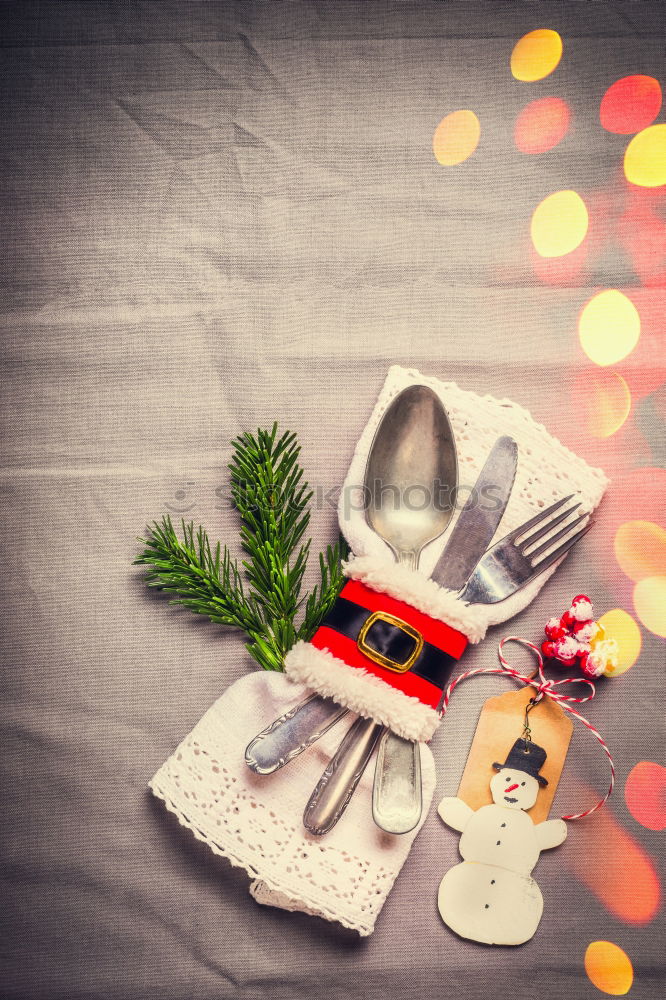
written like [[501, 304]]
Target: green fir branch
[[272, 498]]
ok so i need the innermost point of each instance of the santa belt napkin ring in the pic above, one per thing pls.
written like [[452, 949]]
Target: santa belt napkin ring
[[392, 635], [390, 641]]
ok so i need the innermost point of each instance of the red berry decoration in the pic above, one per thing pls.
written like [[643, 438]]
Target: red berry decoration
[[567, 650], [577, 638], [554, 629], [581, 609], [584, 631]]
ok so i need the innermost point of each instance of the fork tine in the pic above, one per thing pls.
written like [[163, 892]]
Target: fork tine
[[554, 538], [559, 552], [537, 520], [546, 528]]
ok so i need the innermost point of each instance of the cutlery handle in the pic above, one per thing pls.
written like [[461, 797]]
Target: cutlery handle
[[397, 795], [337, 784], [292, 733]]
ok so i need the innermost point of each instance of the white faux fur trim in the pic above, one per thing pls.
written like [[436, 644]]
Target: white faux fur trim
[[360, 691], [414, 588]]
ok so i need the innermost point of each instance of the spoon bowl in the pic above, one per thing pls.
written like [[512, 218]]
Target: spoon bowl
[[411, 473]]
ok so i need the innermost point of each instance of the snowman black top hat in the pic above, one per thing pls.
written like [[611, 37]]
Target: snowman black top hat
[[527, 757]]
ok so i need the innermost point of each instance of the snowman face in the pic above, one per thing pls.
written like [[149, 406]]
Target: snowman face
[[514, 789]]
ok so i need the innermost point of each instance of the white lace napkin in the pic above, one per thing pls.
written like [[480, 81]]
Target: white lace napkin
[[255, 821]]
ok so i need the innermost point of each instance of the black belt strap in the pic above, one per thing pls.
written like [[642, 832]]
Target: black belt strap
[[391, 641]]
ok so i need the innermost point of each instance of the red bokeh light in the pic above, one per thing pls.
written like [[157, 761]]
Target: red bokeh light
[[645, 794], [613, 865], [541, 125], [630, 104]]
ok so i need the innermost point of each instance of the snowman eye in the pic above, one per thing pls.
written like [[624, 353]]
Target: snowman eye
[[508, 779], [522, 783]]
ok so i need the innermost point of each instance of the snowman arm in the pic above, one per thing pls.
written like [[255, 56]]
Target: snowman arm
[[551, 833], [455, 812]]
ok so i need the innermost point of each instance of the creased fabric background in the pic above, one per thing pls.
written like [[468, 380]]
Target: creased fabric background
[[215, 215]]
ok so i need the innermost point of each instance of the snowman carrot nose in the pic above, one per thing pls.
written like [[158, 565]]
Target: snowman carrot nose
[[511, 788]]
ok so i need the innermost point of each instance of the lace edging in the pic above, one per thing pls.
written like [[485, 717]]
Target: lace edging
[[314, 906]]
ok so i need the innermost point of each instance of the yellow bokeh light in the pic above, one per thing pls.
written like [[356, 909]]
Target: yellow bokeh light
[[650, 603], [609, 327], [609, 968], [619, 625], [536, 54], [645, 157], [559, 224], [456, 137], [607, 403], [640, 549]]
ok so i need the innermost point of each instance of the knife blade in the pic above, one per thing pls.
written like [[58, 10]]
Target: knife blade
[[479, 518]]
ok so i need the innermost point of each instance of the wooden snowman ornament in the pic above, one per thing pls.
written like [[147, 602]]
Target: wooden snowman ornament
[[490, 896]]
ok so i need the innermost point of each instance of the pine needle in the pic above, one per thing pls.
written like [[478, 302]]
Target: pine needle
[[262, 597]]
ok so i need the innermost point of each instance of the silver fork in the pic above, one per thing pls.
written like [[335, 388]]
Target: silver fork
[[512, 563]]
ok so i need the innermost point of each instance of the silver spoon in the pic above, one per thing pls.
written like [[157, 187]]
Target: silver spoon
[[412, 460]]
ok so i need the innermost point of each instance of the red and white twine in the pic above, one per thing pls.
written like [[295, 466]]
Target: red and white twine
[[543, 688]]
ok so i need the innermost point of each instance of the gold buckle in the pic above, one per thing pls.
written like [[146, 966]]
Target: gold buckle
[[384, 661]]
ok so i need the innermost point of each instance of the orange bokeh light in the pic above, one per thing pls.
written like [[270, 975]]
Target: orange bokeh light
[[541, 125], [630, 104], [607, 402], [645, 794], [640, 549], [456, 137], [609, 968], [613, 865], [536, 55]]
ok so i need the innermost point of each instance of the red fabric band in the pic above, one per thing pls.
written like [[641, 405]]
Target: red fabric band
[[437, 633]]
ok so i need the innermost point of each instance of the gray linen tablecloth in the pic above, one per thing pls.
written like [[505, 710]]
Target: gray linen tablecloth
[[216, 215]]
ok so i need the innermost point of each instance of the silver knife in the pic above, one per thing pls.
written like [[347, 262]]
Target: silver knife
[[396, 802], [479, 519]]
